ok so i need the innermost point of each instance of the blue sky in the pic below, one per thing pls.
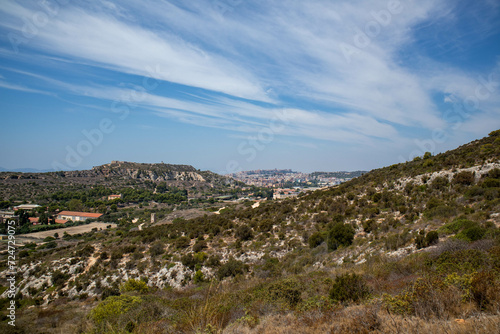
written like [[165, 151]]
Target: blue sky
[[230, 85]]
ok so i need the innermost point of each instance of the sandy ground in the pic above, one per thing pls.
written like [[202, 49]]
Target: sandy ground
[[69, 230]]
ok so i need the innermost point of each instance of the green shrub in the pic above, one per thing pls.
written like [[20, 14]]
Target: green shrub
[[370, 225], [109, 309], [431, 238], [24, 253], [48, 245], [491, 183], [156, 249], [462, 261], [116, 254], [59, 278], [440, 183], [109, 291], [182, 242], [349, 288], [425, 240], [395, 241], [472, 233], [315, 240], [464, 178], [198, 277], [199, 246], [189, 261], [134, 285], [129, 249], [287, 291], [243, 232], [457, 225], [231, 268], [213, 261], [440, 211], [494, 173], [86, 251], [340, 235]]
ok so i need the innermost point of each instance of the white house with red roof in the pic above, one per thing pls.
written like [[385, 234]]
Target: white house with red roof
[[77, 216]]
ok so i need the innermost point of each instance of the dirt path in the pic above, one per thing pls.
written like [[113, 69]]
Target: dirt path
[[70, 230], [218, 211]]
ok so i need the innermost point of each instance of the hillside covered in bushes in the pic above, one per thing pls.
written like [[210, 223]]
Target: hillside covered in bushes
[[409, 248]]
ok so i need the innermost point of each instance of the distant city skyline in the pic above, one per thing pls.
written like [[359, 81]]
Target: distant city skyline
[[232, 85]]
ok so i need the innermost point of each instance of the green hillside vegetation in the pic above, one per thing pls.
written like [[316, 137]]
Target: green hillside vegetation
[[409, 248]]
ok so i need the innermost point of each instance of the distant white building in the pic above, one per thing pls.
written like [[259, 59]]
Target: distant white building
[[7, 214], [26, 207], [77, 216], [285, 193], [112, 197]]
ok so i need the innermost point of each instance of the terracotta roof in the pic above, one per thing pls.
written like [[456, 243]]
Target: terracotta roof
[[61, 221], [80, 214]]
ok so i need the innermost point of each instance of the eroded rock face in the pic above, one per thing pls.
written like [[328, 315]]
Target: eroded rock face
[[113, 175]]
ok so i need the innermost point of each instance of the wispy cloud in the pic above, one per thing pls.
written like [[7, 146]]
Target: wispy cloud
[[21, 88], [287, 54], [128, 47]]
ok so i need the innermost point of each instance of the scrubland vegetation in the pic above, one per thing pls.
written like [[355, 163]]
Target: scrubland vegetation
[[409, 248]]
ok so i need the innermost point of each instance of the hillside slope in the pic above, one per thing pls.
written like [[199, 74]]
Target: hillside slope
[[115, 175], [406, 248]]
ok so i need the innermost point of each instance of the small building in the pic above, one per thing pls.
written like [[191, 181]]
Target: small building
[[285, 193], [7, 214], [112, 197], [77, 216], [36, 221], [26, 207]]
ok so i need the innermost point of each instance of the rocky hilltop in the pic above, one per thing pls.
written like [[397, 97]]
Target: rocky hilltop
[[152, 172], [113, 175]]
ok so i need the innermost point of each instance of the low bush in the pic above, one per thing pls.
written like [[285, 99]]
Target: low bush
[[182, 242], [427, 298], [244, 233], [463, 178], [315, 240], [340, 235], [134, 285], [156, 249], [231, 268], [287, 291], [59, 278], [349, 288], [423, 240], [106, 315]]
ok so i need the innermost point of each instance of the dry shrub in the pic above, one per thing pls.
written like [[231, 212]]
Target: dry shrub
[[485, 288], [213, 314], [428, 298], [368, 319], [357, 320], [277, 324], [392, 324]]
